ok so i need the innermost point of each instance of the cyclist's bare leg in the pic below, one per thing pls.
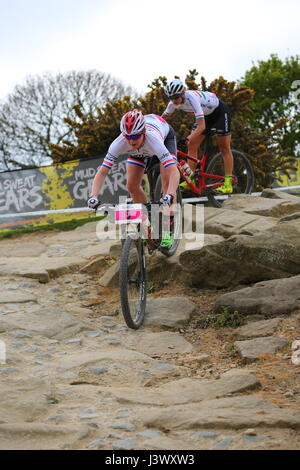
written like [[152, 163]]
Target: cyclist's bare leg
[[169, 180], [193, 146], [224, 144], [134, 183]]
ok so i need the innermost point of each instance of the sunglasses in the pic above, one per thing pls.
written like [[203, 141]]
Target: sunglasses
[[133, 137], [174, 97]]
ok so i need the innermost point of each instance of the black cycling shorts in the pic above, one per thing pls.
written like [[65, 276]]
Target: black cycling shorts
[[219, 120], [170, 141]]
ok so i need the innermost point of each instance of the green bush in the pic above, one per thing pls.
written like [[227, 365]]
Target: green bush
[[226, 317]]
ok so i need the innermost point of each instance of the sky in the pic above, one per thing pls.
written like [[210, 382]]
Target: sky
[[136, 41]]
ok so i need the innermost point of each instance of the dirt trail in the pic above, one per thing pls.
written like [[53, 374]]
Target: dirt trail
[[75, 377]]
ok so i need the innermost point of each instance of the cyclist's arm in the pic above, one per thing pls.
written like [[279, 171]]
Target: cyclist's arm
[[99, 180], [169, 163], [117, 147], [195, 104], [174, 177], [199, 129], [168, 111], [195, 136], [166, 115]]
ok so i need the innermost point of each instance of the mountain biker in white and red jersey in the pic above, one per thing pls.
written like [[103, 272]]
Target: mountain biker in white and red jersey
[[142, 136], [210, 113]]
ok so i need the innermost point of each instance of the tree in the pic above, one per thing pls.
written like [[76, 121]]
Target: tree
[[32, 118], [93, 134], [275, 82]]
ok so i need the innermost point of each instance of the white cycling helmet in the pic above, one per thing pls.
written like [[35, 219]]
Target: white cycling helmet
[[132, 123], [174, 89]]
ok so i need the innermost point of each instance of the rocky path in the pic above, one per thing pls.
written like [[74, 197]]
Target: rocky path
[[75, 377]]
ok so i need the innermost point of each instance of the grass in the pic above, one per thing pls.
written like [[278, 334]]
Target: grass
[[226, 317], [52, 400], [64, 226], [150, 287]]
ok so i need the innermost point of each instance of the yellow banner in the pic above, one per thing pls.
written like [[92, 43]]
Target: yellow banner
[[55, 187], [292, 180]]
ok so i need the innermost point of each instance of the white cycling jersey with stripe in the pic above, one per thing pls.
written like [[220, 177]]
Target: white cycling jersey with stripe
[[157, 130], [200, 103]]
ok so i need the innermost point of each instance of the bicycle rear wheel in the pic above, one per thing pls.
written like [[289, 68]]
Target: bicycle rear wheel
[[133, 282], [177, 221], [242, 172]]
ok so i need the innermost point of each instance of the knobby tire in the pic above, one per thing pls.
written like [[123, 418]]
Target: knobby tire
[[133, 282]]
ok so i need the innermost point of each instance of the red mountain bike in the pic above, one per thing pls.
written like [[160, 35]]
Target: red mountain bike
[[209, 178]]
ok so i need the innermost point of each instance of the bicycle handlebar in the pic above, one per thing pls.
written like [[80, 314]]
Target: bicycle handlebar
[[108, 206]]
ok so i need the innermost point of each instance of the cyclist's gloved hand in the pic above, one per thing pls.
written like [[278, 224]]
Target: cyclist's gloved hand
[[166, 200], [93, 202]]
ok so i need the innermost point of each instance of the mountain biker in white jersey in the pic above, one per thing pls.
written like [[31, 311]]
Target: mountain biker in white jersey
[[210, 113], [141, 137]]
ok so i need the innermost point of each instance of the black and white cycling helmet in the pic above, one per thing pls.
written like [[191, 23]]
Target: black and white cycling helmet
[[174, 89]]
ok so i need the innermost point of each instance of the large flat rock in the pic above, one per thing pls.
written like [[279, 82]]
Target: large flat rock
[[16, 297], [186, 390], [275, 297], [70, 236], [284, 196], [169, 312], [164, 342], [164, 443], [51, 323], [18, 249], [256, 348], [224, 413], [258, 328], [228, 222], [265, 206], [41, 268], [74, 361], [244, 259], [40, 436], [159, 267], [23, 400]]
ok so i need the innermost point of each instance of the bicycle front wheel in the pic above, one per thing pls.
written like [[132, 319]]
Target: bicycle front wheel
[[133, 282], [242, 172]]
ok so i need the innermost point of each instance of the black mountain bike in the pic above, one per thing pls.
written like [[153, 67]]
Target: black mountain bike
[[141, 231]]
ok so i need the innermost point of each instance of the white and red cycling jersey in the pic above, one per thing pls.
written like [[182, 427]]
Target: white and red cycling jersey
[[157, 130], [200, 103]]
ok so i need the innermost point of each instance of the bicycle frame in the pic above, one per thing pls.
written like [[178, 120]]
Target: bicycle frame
[[147, 229], [201, 186]]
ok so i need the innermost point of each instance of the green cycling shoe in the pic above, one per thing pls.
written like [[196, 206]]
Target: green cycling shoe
[[167, 240], [226, 188], [185, 185]]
